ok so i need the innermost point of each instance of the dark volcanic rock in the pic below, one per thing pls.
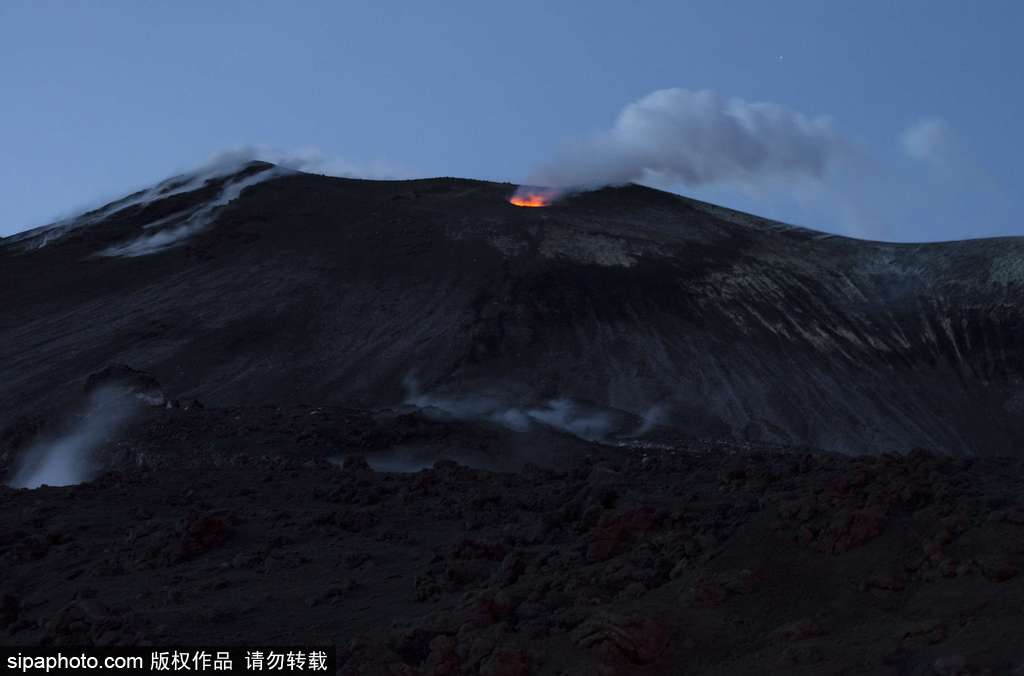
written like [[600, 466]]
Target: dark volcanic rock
[[419, 573], [9, 608], [21, 432], [89, 622], [309, 288]]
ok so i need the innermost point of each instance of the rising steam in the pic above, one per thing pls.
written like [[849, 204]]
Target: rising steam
[[67, 459], [697, 138], [177, 228], [219, 166], [562, 414], [174, 230]]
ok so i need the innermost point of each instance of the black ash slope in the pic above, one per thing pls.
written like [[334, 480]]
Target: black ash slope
[[333, 291]]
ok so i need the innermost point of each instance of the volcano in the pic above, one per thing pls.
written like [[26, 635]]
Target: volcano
[[262, 285], [436, 432]]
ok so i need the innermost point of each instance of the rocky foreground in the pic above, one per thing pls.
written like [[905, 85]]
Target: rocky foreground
[[701, 560]]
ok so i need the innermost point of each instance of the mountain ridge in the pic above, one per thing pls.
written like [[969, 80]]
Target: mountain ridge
[[312, 288]]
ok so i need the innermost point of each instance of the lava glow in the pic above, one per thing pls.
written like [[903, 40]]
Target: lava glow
[[530, 199]]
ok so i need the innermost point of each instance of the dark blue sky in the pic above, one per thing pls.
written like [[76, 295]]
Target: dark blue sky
[[926, 98]]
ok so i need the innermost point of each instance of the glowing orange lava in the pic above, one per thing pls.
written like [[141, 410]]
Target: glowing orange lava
[[531, 199]]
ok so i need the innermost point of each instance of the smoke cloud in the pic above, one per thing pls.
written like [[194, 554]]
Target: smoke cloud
[[313, 161], [562, 414], [173, 231], [68, 459], [176, 229], [652, 417], [697, 138], [933, 142]]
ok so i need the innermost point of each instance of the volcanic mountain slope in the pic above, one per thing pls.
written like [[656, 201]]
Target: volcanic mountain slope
[[267, 286]]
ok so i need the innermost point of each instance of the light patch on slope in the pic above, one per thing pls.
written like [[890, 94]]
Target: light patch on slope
[[1006, 269], [587, 248]]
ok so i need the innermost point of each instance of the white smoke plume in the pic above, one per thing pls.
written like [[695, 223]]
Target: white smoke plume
[[175, 230], [562, 414], [220, 165], [67, 459], [697, 138], [565, 415], [313, 161], [932, 141], [173, 233], [652, 417]]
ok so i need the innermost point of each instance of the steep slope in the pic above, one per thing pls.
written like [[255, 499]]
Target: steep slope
[[268, 286]]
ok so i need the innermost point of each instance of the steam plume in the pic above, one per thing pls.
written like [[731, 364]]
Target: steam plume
[[562, 413], [67, 459], [220, 165], [191, 224], [933, 142], [697, 138]]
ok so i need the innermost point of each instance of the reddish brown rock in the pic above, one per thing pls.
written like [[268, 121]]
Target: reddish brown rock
[[200, 533], [638, 640], [800, 630]]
